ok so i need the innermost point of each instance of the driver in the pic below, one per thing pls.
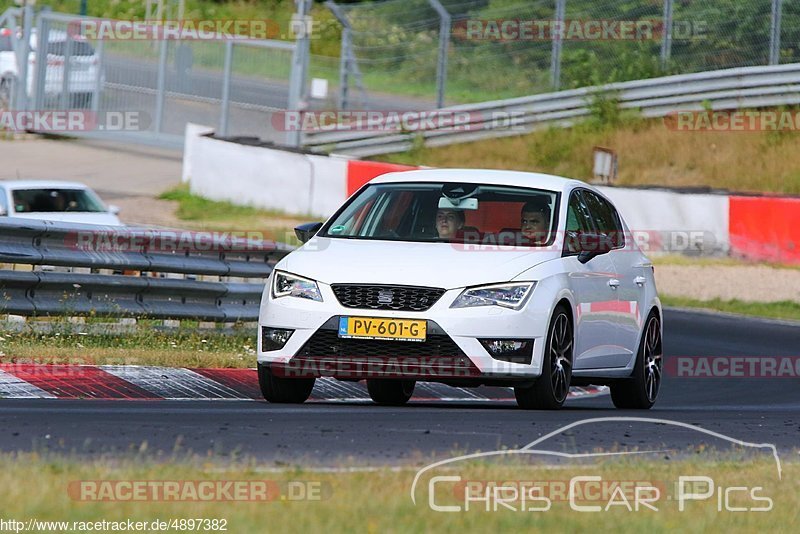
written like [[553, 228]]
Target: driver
[[449, 222], [535, 221]]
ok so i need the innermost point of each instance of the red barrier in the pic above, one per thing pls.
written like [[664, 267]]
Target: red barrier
[[765, 228], [361, 172]]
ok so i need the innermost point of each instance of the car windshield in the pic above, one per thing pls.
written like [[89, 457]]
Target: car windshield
[[56, 200], [464, 212]]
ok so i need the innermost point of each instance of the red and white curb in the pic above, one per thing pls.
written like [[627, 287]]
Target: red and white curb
[[128, 382]]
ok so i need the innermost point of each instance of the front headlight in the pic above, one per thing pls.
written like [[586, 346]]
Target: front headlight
[[291, 285], [511, 296]]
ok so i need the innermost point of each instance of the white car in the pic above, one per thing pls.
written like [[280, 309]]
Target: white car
[[83, 68], [466, 277], [53, 200]]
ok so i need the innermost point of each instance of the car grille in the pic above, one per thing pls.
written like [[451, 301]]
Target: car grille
[[384, 297], [326, 354]]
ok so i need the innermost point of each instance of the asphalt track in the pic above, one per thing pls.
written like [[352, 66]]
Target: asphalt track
[[760, 410]]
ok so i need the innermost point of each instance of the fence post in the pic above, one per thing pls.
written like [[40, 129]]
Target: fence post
[[775, 33], [344, 68], [444, 43], [226, 88], [42, 35], [19, 92], [98, 87], [161, 85], [300, 57], [555, 58], [666, 37], [66, 72]]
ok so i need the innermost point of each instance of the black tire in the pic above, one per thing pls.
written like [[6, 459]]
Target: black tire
[[639, 392], [390, 392], [281, 390], [551, 389]]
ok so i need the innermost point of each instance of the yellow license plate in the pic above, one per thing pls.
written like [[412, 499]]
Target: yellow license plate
[[382, 328]]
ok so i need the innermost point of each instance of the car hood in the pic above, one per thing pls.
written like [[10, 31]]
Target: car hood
[[103, 218], [443, 265]]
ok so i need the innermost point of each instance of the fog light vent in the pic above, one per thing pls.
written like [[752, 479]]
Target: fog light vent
[[509, 350], [274, 338]]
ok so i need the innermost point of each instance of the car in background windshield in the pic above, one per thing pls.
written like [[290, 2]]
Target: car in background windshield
[[55, 201]]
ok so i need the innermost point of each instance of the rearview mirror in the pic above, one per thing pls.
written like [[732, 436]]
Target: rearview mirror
[[306, 231], [456, 204]]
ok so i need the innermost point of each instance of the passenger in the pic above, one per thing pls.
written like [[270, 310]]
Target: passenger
[[449, 222], [535, 223]]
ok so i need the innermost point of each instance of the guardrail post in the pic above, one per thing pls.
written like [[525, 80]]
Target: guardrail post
[[300, 57], [555, 58], [226, 89], [444, 43], [161, 85], [666, 37], [775, 33]]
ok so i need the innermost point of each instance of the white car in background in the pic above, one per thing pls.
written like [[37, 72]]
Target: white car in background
[[53, 200], [83, 68], [378, 293]]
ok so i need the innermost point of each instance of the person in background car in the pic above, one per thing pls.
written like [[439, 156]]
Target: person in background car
[[535, 221], [449, 222]]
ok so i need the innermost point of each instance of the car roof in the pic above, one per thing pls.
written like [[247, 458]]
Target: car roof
[[41, 184], [485, 176]]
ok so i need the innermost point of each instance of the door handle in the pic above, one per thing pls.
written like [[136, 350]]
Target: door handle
[[614, 283], [640, 280]]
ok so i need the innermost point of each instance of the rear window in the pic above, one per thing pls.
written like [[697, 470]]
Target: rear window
[[56, 200], [78, 48]]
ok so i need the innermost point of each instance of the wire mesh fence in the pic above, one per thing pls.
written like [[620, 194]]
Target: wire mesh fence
[[157, 83], [498, 49]]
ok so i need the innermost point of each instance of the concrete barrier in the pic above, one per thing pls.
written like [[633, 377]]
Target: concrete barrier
[[761, 228]]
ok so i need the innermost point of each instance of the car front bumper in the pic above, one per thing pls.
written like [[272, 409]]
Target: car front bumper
[[452, 350]]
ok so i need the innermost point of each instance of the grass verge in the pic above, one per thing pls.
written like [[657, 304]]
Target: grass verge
[[47, 488], [787, 309], [650, 153], [147, 347], [203, 214], [674, 259]]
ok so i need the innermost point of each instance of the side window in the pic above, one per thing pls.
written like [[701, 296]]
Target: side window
[[578, 221], [606, 218], [3, 202]]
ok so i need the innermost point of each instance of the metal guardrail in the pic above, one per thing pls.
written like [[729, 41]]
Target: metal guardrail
[[195, 255], [746, 87]]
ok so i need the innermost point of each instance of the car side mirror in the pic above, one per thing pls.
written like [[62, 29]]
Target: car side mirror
[[113, 210], [591, 245], [306, 231]]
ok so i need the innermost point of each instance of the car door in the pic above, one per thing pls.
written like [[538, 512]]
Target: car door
[[630, 265], [592, 285]]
